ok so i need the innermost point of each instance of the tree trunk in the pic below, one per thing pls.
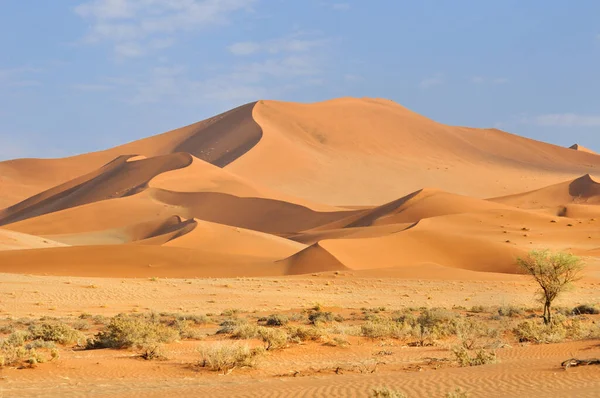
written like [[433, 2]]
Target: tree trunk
[[547, 314]]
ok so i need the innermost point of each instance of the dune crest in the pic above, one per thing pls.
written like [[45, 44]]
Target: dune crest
[[578, 147]]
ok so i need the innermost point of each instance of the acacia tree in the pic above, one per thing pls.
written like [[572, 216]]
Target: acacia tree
[[554, 272]]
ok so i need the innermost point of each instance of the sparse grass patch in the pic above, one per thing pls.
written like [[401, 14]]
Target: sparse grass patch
[[304, 333], [277, 320], [481, 357], [56, 331], [226, 357], [141, 332]]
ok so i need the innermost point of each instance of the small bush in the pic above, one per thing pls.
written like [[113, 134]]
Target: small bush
[[510, 311], [534, 332], [277, 320], [478, 309], [228, 326], [14, 352], [274, 338], [225, 358], [245, 331], [481, 357], [126, 331], [385, 392], [320, 317], [305, 333], [55, 331]]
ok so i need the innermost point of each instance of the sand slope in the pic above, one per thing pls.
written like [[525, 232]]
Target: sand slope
[[11, 240], [582, 190], [369, 151]]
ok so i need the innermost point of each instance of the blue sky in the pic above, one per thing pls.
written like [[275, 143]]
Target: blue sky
[[77, 76]]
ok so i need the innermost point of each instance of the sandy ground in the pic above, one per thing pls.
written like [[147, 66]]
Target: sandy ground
[[523, 370]]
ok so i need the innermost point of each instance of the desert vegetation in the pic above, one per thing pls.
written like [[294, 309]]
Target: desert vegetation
[[236, 340], [553, 272]]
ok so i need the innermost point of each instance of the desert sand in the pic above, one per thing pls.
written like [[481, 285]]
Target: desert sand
[[281, 197]]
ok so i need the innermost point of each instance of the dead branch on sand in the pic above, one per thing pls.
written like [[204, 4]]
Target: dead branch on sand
[[579, 362]]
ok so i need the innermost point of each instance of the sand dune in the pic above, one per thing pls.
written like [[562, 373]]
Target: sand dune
[[582, 190], [117, 179], [155, 231], [120, 261], [11, 240], [367, 152], [285, 188]]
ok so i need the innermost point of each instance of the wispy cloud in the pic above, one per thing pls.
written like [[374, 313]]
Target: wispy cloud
[[432, 81], [19, 77], [136, 27], [563, 120], [291, 44]]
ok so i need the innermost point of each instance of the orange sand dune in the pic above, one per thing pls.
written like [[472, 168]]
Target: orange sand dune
[[97, 216], [158, 230], [117, 179], [264, 215], [487, 241], [219, 140], [242, 242], [121, 261], [295, 188], [367, 152], [11, 240], [416, 206], [319, 234], [583, 190]]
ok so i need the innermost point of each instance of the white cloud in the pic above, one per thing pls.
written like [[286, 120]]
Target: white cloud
[[564, 120], [133, 26], [477, 79], [19, 77], [432, 81], [244, 48], [291, 44]]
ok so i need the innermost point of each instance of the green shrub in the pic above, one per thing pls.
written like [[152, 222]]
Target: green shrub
[[126, 331], [228, 326], [245, 331], [535, 332], [305, 333], [481, 357], [274, 338], [320, 317], [510, 311], [277, 320], [224, 358], [56, 331]]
